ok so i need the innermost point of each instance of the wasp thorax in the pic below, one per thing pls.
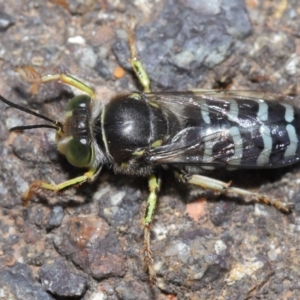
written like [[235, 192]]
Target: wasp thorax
[[74, 141]]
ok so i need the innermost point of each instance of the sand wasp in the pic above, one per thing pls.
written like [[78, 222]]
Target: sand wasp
[[143, 133]]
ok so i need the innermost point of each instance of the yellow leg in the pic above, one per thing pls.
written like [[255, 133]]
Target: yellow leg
[[33, 75], [154, 182], [136, 64], [42, 187], [154, 186], [225, 188]]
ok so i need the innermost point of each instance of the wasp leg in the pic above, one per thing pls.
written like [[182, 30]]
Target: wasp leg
[[32, 75], [154, 187], [136, 64], [41, 187], [225, 188]]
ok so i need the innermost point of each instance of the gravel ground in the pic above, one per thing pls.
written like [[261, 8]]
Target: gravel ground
[[86, 243]]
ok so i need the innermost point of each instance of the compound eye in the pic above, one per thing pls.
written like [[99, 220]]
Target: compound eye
[[79, 152]]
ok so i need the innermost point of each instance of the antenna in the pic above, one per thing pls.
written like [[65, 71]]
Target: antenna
[[57, 125]]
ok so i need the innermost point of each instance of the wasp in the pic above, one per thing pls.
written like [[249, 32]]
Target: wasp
[[143, 133]]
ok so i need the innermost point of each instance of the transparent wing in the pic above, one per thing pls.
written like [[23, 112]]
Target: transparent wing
[[175, 101]]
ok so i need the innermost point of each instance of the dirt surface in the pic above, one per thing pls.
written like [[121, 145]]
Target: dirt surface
[[86, 243]]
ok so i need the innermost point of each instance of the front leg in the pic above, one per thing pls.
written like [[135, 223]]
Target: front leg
[[42, 187], [36, 77]]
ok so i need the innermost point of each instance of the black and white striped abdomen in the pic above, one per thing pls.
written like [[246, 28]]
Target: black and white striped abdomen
[[234, 132], [250, 133]]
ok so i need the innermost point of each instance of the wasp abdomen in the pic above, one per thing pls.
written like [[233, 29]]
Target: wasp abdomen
[[252, 133], [235, 132]]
